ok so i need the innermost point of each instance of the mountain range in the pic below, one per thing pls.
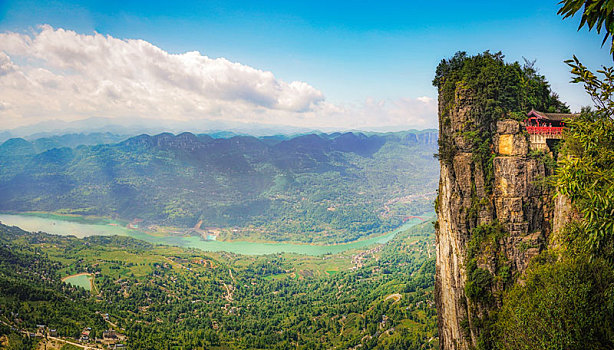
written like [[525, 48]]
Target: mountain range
[[310, 188]]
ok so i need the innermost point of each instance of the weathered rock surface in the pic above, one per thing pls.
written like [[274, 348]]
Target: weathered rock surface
[[514, 195]]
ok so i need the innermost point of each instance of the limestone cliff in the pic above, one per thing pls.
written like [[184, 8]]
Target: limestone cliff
[[494, 213]]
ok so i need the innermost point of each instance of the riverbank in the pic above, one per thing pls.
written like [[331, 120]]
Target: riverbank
[[59, 226]]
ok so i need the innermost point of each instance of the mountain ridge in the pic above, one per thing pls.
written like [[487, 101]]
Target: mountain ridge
[[262, 187]]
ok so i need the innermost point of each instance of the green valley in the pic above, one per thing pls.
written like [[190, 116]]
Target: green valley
[[163, 297]]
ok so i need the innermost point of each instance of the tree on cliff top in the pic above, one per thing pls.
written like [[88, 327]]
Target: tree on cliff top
[[502, 87], [497, 89]]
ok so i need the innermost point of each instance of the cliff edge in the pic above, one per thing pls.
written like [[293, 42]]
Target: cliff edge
[[494, 209]]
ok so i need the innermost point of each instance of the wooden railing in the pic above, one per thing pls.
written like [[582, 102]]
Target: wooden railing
[[544, 130]]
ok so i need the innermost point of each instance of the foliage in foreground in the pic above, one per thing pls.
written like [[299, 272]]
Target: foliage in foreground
[[566, 304], [595, 14]]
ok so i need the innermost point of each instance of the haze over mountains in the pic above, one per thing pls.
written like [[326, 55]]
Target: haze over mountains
[[309, 188], [136, 126]]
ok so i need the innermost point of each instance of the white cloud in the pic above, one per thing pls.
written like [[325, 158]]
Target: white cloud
[[60, 74], [388, 114], [6, 66]]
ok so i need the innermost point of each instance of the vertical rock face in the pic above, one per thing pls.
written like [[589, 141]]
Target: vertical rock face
[[521, 198], [505, 190]]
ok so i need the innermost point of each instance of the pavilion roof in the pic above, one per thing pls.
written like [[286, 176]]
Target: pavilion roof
[[551, 116]]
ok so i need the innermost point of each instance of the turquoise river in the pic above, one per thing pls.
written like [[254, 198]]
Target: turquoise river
[[65, 227]]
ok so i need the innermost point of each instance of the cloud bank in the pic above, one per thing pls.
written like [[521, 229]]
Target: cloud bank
[[60, 74]]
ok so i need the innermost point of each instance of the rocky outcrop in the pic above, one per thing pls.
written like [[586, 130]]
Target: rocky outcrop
[[500, 191], [521, 198]]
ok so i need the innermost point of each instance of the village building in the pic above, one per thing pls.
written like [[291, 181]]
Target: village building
[[109, 335], [85, 335], [112, 337]]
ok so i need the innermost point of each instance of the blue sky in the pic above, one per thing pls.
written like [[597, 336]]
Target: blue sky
[[358, 54]]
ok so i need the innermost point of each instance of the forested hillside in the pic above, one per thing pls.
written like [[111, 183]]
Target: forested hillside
[[310, 188], [31, 293], [163, 297]]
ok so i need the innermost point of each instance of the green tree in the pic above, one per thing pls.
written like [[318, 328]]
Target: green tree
[[563, 305], [586, 171]]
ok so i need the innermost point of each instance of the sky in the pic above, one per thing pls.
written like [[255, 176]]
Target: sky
[[317, 64]]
